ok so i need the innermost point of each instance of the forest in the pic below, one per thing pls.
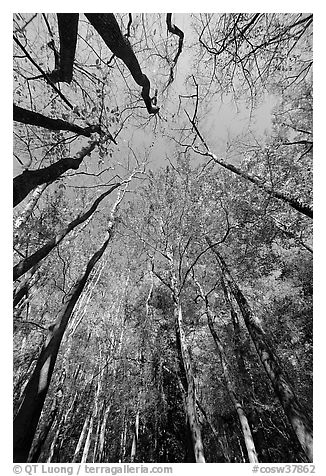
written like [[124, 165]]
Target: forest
[[162, 238]]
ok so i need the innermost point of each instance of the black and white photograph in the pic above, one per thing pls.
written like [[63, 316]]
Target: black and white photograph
[[162, 241]]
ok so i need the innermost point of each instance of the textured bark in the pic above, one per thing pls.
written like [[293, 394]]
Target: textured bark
[[190, 397], [28, 210], [29, 179], [80, 440], [175, 31], [280, 382], [102, 435], [295, 203], [87, 442], [107, 27], [28, 415], [230, 385], [61, 423], [29, 280], [229, 382], [24, 265], [135, 439], [36, 119], [236, 336], [36, 450], [68, 27]]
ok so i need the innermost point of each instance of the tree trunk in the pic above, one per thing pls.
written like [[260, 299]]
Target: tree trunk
[[217, 437], [29, 179], [61, 423], [96, 442], [123, 440], [28, 210], [21, 292], [36, 450], [295, 203], [26, 116], [229, 383], [245, 427], [107, 27], [24, 265], [68, 28], [28, 415], [87, 442], [80, 440], [135, 439], [190, 399], [282, 387]]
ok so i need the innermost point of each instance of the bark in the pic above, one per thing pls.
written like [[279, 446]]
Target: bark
[[68, 28], [190, 397], [53, 444], [295, 203], [29, 179], [280, 382], [217, 437], [62, 423], [36, 450], [26, 264], [94, 460], [237, 335], [29, 280], [93, 417], [175, 31], [87, 442], [28, 210], [28, 415], [107, 27], [123, 439], [43, 74], [36, 119], [229, 383], [135, 439], [80, 440]]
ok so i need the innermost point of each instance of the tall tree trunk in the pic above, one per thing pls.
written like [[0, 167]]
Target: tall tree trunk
[[81, 440], [190, 397], [88, 441], [229, 382], [237, 335], [27, 263], [107, 27], [28, 415], [68, 28], [134, 439], [282, 387], [123, 439], [28, 210], [22, 291], [29, 179], [62, 423], [102, 435], [36, 450], [217, 437], [245, 427], [96, 442], [26, 116]]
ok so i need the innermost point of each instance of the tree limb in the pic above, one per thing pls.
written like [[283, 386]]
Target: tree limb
[[107, 27]]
